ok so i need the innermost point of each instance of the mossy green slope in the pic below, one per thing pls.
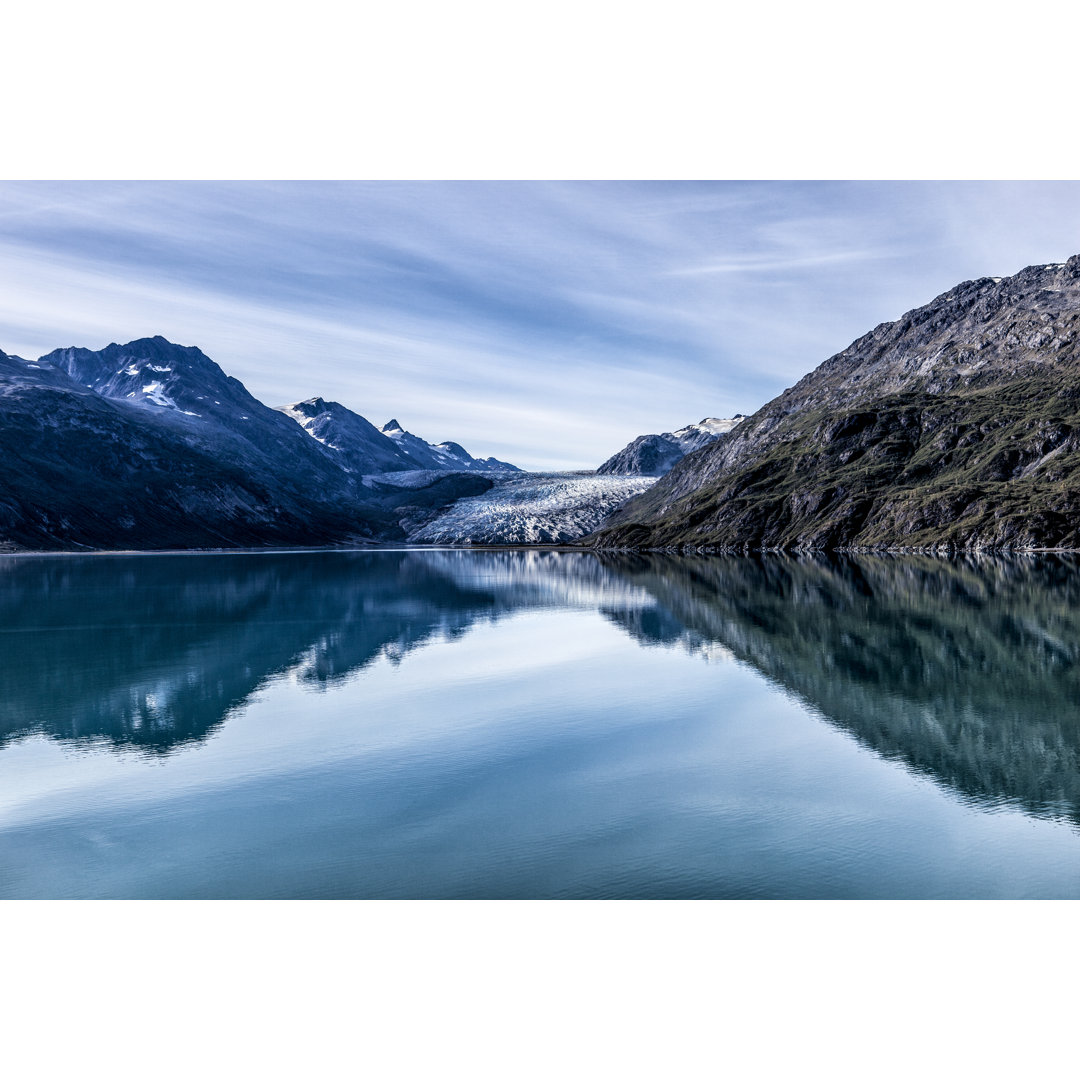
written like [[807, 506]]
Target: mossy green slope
[[958, 426]]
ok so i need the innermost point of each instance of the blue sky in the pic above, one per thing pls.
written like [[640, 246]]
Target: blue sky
[[545, 323]]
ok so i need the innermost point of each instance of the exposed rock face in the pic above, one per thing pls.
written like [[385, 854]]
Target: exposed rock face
[[654, 455], [647, 455], [955, 427]]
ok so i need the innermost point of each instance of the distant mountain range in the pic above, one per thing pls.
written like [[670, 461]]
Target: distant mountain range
[[956, 427], [444, 455], [361, 448], [654, 455], [151, 445]]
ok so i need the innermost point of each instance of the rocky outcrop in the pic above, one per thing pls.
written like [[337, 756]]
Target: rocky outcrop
[[956, 427], [654, 455]]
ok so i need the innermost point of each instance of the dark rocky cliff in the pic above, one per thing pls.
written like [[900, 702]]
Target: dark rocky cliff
[[956, 427]]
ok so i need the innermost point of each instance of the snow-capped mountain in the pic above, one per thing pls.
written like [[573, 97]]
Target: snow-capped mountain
[[360, 446], [78, 469], [156, 374], [152, 445], [654, 455], [362, 449], [695, 436], [442, 456], [180, 388]]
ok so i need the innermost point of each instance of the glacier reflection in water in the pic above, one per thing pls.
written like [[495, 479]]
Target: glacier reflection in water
[[538, 724]]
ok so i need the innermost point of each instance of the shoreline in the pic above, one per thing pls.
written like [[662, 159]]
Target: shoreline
[[318, 550], [951, 552]]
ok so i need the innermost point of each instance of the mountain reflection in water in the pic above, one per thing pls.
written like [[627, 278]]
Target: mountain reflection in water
[[965, 671]]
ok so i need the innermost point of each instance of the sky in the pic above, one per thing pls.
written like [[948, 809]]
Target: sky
[[544, 323]]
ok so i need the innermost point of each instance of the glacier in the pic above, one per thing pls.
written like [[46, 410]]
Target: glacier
[[532, 508]]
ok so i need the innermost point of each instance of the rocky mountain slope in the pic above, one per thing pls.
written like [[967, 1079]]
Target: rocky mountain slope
[[361, 448], [444, 455], [151, 445], [654, 455], [358, 444], [180, 389], [955, 427]]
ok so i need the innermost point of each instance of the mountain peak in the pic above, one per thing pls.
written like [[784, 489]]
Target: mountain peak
[[655, 455], [365, 450], [151, 346], [153, 372]]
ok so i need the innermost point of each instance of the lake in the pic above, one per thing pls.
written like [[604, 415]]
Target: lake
[[538, 724]]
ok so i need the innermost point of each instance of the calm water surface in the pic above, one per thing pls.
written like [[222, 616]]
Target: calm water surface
[[538, 724]]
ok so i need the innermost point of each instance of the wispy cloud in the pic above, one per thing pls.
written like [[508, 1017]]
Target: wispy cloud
[[762, 264], [545, 323]]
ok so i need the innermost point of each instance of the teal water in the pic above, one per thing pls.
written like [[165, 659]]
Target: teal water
[[538, 724]]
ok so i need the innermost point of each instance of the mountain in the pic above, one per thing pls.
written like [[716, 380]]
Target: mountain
[[955, 427], [654, 455], [151, 445], [180, 388], [443, 456], [81, 470], [359, 445], [361, 449]]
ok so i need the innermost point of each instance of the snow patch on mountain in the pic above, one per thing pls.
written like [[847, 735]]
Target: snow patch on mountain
[[694, 436], [155, 394], [306, 422], [654, 455]]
